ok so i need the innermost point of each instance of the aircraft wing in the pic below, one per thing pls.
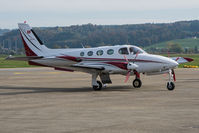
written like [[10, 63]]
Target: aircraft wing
[[89, 66], [25, 58], [181, 60], [83, 67]]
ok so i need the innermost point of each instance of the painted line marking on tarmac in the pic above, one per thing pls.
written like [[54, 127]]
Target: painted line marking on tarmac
[[18, 73]]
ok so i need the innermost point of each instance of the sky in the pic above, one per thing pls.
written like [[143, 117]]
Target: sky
[[43, 13]]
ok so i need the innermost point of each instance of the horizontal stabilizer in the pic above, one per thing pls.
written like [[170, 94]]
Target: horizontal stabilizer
[[26, 58], [181, 60]]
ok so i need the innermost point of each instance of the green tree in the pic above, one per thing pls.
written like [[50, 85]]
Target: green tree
[[175, 47], [196, 49], [56, 46]]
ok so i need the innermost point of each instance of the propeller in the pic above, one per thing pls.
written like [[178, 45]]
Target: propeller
[[172, 70], [129, 71], [130, 66], [174, 76], [127, 76]]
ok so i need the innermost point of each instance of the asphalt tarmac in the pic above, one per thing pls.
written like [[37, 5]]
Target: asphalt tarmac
[[41, 100]]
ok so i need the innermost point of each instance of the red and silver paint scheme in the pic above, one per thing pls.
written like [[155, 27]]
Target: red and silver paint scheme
[[99, 61]]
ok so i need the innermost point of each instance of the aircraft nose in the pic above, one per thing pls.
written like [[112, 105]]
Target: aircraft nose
[[173, 64]]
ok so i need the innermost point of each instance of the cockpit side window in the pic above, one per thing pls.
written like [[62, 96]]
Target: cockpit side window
[[123, 51], [134, 50]]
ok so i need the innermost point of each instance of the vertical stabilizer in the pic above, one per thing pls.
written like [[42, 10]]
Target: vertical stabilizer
[[32, 44]]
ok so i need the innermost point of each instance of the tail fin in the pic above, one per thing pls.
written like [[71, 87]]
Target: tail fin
[[32, 44]]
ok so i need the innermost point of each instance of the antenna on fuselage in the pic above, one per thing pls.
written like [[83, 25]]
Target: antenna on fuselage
[[82, 45]]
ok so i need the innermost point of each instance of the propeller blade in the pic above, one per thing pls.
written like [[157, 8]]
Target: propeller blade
[[127, 76], [174, 76], [136, 54], [126, 58]]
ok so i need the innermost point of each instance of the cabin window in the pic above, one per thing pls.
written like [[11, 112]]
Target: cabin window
[[90, 53], [123, 51], [110, 51], [82, 54], [99, 52]]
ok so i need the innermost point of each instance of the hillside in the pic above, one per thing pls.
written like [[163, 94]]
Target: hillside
[[143, 35], [184, 43]]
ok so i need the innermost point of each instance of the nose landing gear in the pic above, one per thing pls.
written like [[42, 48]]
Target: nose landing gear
[[137, 83], [170, 84]]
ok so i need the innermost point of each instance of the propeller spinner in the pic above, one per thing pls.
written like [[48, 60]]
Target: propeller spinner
[[130, 66]]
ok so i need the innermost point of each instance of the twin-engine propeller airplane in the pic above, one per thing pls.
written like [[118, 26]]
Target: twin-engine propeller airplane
[[100, 61]]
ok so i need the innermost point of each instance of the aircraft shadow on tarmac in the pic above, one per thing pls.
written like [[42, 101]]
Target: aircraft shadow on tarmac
[[30, 90]]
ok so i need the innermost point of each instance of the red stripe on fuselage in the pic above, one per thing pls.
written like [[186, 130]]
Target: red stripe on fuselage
[[79, 59], [122, 65], [72, 58], [111, 61]]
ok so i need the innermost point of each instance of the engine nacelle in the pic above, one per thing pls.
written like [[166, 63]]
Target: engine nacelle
[[132, 66]]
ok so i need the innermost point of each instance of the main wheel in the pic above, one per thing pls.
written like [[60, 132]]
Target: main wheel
[[170, 86], [137, 83], [97, 87]]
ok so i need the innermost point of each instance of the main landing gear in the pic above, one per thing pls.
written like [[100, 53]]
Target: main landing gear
[[105, 79], [137, 83], [97, 85], [170, 84]]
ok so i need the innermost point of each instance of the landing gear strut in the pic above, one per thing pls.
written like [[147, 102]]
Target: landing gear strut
[[170, 84], [137, 83], [97, 85]]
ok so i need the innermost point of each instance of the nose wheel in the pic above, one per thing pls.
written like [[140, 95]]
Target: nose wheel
[[170, 84], [137, 83]]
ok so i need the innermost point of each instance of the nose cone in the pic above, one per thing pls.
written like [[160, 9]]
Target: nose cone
[[170, 64], [173, 64]]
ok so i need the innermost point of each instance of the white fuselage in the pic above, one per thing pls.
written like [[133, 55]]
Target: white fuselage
[[108, 57]]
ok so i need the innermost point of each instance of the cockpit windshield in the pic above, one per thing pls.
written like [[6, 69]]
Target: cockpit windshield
[[136, 50], [123, 51]]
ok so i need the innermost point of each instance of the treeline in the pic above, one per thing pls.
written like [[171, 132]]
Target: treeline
[[2, 31], [173, 48], [98, 35]]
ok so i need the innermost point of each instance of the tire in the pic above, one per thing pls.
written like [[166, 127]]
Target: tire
[[137, 83], [99, 87], [170, 86]]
